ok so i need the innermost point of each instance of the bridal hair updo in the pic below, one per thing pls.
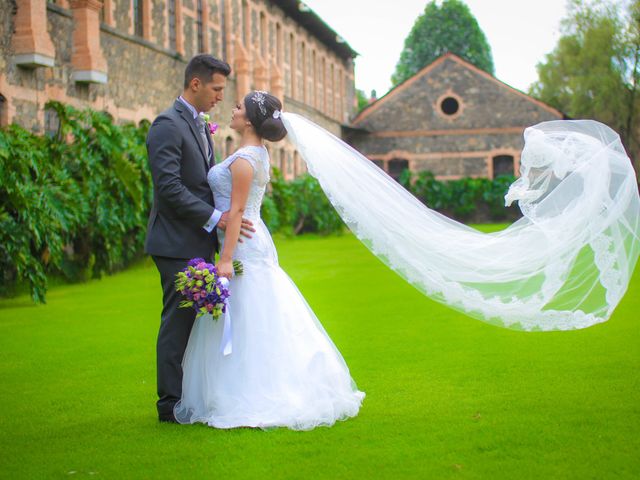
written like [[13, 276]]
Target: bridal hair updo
[[263, 111]]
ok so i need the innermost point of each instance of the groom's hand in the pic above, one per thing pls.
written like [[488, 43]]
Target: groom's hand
[[246, 227]]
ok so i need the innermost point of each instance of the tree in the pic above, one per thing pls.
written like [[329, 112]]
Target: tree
[[593, 71], [362, 99], [448, 28]]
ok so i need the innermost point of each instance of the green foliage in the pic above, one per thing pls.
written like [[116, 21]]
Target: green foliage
[[450, 27], [593, 72], [75, 204], [362, 99], [299, 206], [313, 212], [465, 199], [278, 208]]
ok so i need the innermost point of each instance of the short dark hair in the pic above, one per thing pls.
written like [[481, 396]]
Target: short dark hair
[[203, 66]]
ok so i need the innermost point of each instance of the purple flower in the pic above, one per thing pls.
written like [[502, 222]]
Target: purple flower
[[195, 261]]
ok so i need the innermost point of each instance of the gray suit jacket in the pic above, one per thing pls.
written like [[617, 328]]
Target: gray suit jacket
[[182, 198]]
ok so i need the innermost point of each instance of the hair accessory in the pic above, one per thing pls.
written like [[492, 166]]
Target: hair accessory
[[259, 98], [276, 114]]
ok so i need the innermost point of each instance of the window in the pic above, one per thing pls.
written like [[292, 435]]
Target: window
[[228, 146], [323, 86], [449, 106], [292, 64], [503, 165], [289, 164], [173, 44], [3, 110], [332, 98], [314, 87], [278, 44], [200, 28], [305, 92], [223, 28], [245, 23], [296, 164], [397, 166], [263, 35], [282, 159], [51, 122], [137, 17]]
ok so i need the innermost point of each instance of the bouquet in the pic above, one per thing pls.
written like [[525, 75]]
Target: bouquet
[[203, 289]]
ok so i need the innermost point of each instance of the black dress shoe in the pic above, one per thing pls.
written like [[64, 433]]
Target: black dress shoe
[[168, 418]]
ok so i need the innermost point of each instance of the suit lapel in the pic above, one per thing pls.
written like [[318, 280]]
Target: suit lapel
[[188, 117]]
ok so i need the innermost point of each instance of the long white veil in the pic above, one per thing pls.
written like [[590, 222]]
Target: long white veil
[[565, 265]]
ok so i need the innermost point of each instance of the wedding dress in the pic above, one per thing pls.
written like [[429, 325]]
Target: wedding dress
[[565, 264], [284, 370]]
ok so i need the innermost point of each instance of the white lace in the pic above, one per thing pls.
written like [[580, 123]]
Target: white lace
[[260, 250], [566, 264]]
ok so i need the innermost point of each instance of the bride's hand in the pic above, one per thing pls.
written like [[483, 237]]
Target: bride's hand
[[225, 268]]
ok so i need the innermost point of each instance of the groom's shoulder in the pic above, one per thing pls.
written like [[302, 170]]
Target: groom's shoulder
[[170, 114]]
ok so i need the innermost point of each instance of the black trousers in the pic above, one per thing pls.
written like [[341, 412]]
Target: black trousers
[[175, 327]]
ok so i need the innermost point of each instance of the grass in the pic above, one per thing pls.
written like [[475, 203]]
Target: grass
[[447, 396]]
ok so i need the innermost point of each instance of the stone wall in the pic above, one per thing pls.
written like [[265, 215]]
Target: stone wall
[[145, 75], [412, 123]]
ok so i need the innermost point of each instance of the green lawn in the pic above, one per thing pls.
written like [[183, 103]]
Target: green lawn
[[447, 396]]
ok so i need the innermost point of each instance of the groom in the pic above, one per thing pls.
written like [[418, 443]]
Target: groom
[[183, 216]]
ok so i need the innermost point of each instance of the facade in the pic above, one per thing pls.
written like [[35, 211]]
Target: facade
[[127, 57], [451, 119]]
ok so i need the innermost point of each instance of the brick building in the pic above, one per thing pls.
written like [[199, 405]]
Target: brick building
[[450, 118], [127, 57]]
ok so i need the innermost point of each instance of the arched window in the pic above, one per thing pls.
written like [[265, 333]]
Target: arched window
[[278, 44], [503, 165], [263, 34], [296, 164], [3, 111], [246, 32], [223, 28], [228, 146], [200, 27], [397, 166], [282, 163], [51, 122], [173, 44], [289, 165], [292, 65], [137, 18]]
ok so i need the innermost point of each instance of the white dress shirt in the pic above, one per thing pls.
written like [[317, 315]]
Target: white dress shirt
[[215, 216]]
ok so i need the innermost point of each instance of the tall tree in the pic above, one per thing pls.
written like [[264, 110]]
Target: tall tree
[[450, 27], [593, 71]]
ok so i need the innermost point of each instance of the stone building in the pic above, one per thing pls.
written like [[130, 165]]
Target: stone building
[[127, 57], [450, 118]]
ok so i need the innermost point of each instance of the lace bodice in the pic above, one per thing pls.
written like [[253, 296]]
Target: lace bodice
[[219, 178]]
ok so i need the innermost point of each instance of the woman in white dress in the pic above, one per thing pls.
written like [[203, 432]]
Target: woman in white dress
[[284, 370]]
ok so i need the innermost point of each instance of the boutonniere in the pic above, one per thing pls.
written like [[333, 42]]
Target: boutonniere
[[211, 126]]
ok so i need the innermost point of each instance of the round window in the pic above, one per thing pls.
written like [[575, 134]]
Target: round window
[[450, 106]]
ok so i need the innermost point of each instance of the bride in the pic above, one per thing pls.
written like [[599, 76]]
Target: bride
[[284, 370]]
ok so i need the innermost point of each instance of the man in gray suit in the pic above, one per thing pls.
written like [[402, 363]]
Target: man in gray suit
[[183, 216]]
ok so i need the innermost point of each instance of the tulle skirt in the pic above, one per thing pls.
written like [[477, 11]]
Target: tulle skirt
[[284, 370]]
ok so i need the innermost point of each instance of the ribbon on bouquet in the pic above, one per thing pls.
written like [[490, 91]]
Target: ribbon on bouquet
[[225, 345]]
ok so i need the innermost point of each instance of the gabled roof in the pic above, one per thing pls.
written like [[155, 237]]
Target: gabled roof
[[369, 109], [302, 14]]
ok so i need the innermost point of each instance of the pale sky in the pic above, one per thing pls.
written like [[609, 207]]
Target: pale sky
[[520, 33]]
